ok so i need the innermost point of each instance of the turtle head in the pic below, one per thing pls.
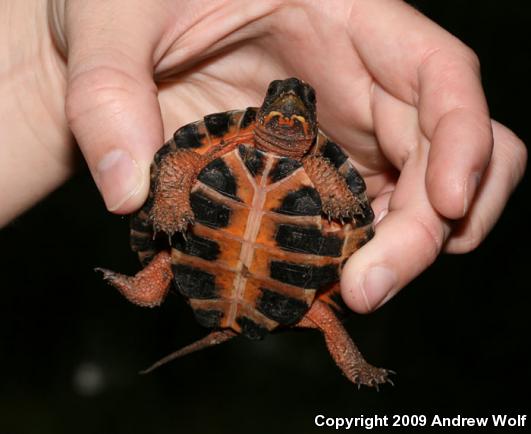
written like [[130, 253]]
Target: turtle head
[[287, 120]]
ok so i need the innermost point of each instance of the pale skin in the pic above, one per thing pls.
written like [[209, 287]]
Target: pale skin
[[398, 92]]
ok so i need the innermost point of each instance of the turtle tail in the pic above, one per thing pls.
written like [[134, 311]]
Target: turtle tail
[[214, 338]]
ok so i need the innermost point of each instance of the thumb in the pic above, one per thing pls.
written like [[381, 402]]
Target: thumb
[[111, 101]]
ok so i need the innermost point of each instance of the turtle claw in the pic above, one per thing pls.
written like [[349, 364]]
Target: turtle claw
[[178, 223], [370, 376], [341, 216], [185, 220], [387, 379], [108, 275]]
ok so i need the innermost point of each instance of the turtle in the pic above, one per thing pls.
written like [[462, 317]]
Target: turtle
[[251, 216]]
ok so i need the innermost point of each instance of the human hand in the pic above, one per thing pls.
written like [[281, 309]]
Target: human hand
[[398, 92]]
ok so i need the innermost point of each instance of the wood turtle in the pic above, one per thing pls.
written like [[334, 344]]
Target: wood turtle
[[251, 215]]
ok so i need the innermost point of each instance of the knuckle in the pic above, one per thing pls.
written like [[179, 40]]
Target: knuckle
[[97, 88], [511, 154], [450, 59], [431, 237], [470, 56]]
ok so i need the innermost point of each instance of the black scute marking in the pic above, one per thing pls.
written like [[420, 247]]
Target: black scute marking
[[308, 240], [366, 216], [303, 202], [208, 318], [354, 181], [338, 306], [303, 275], [140, 243], [147, 258], [140, 220], [194, 283], [283, 168], [217, 124], [141, 235], [196, 246], [148, 247], [162, 152], [209, 212], [280, 308], [188, 137], [218, 176], [140, 223], [148, 204], [248, 118], [253, 159], [251, 329], [369, 233], [334, 153]]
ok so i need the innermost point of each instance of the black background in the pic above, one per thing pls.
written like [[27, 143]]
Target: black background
[[458, 336]]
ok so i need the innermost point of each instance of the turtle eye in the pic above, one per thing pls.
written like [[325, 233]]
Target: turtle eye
[[273, 88]]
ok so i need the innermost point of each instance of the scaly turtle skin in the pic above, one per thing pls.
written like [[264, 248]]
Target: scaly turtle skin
[[261, 211]]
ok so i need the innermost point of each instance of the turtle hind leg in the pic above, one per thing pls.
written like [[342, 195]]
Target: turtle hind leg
[[148, 287], [215, 338], [341, 347]]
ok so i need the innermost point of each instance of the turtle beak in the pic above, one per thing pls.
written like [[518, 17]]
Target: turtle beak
[[288, 111], [284, 121]]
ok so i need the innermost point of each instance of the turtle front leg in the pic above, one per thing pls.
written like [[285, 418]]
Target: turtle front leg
[[338, 201], [148, 287], [341, 347], [171, 211]]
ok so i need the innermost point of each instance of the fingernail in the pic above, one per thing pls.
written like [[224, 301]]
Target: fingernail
[[470, 190], [118, 178], [376, 285]]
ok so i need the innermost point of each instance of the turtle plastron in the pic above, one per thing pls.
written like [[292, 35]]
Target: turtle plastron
[[252, 213]]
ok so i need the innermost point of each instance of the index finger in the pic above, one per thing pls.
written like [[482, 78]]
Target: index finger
[[421, 64]]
